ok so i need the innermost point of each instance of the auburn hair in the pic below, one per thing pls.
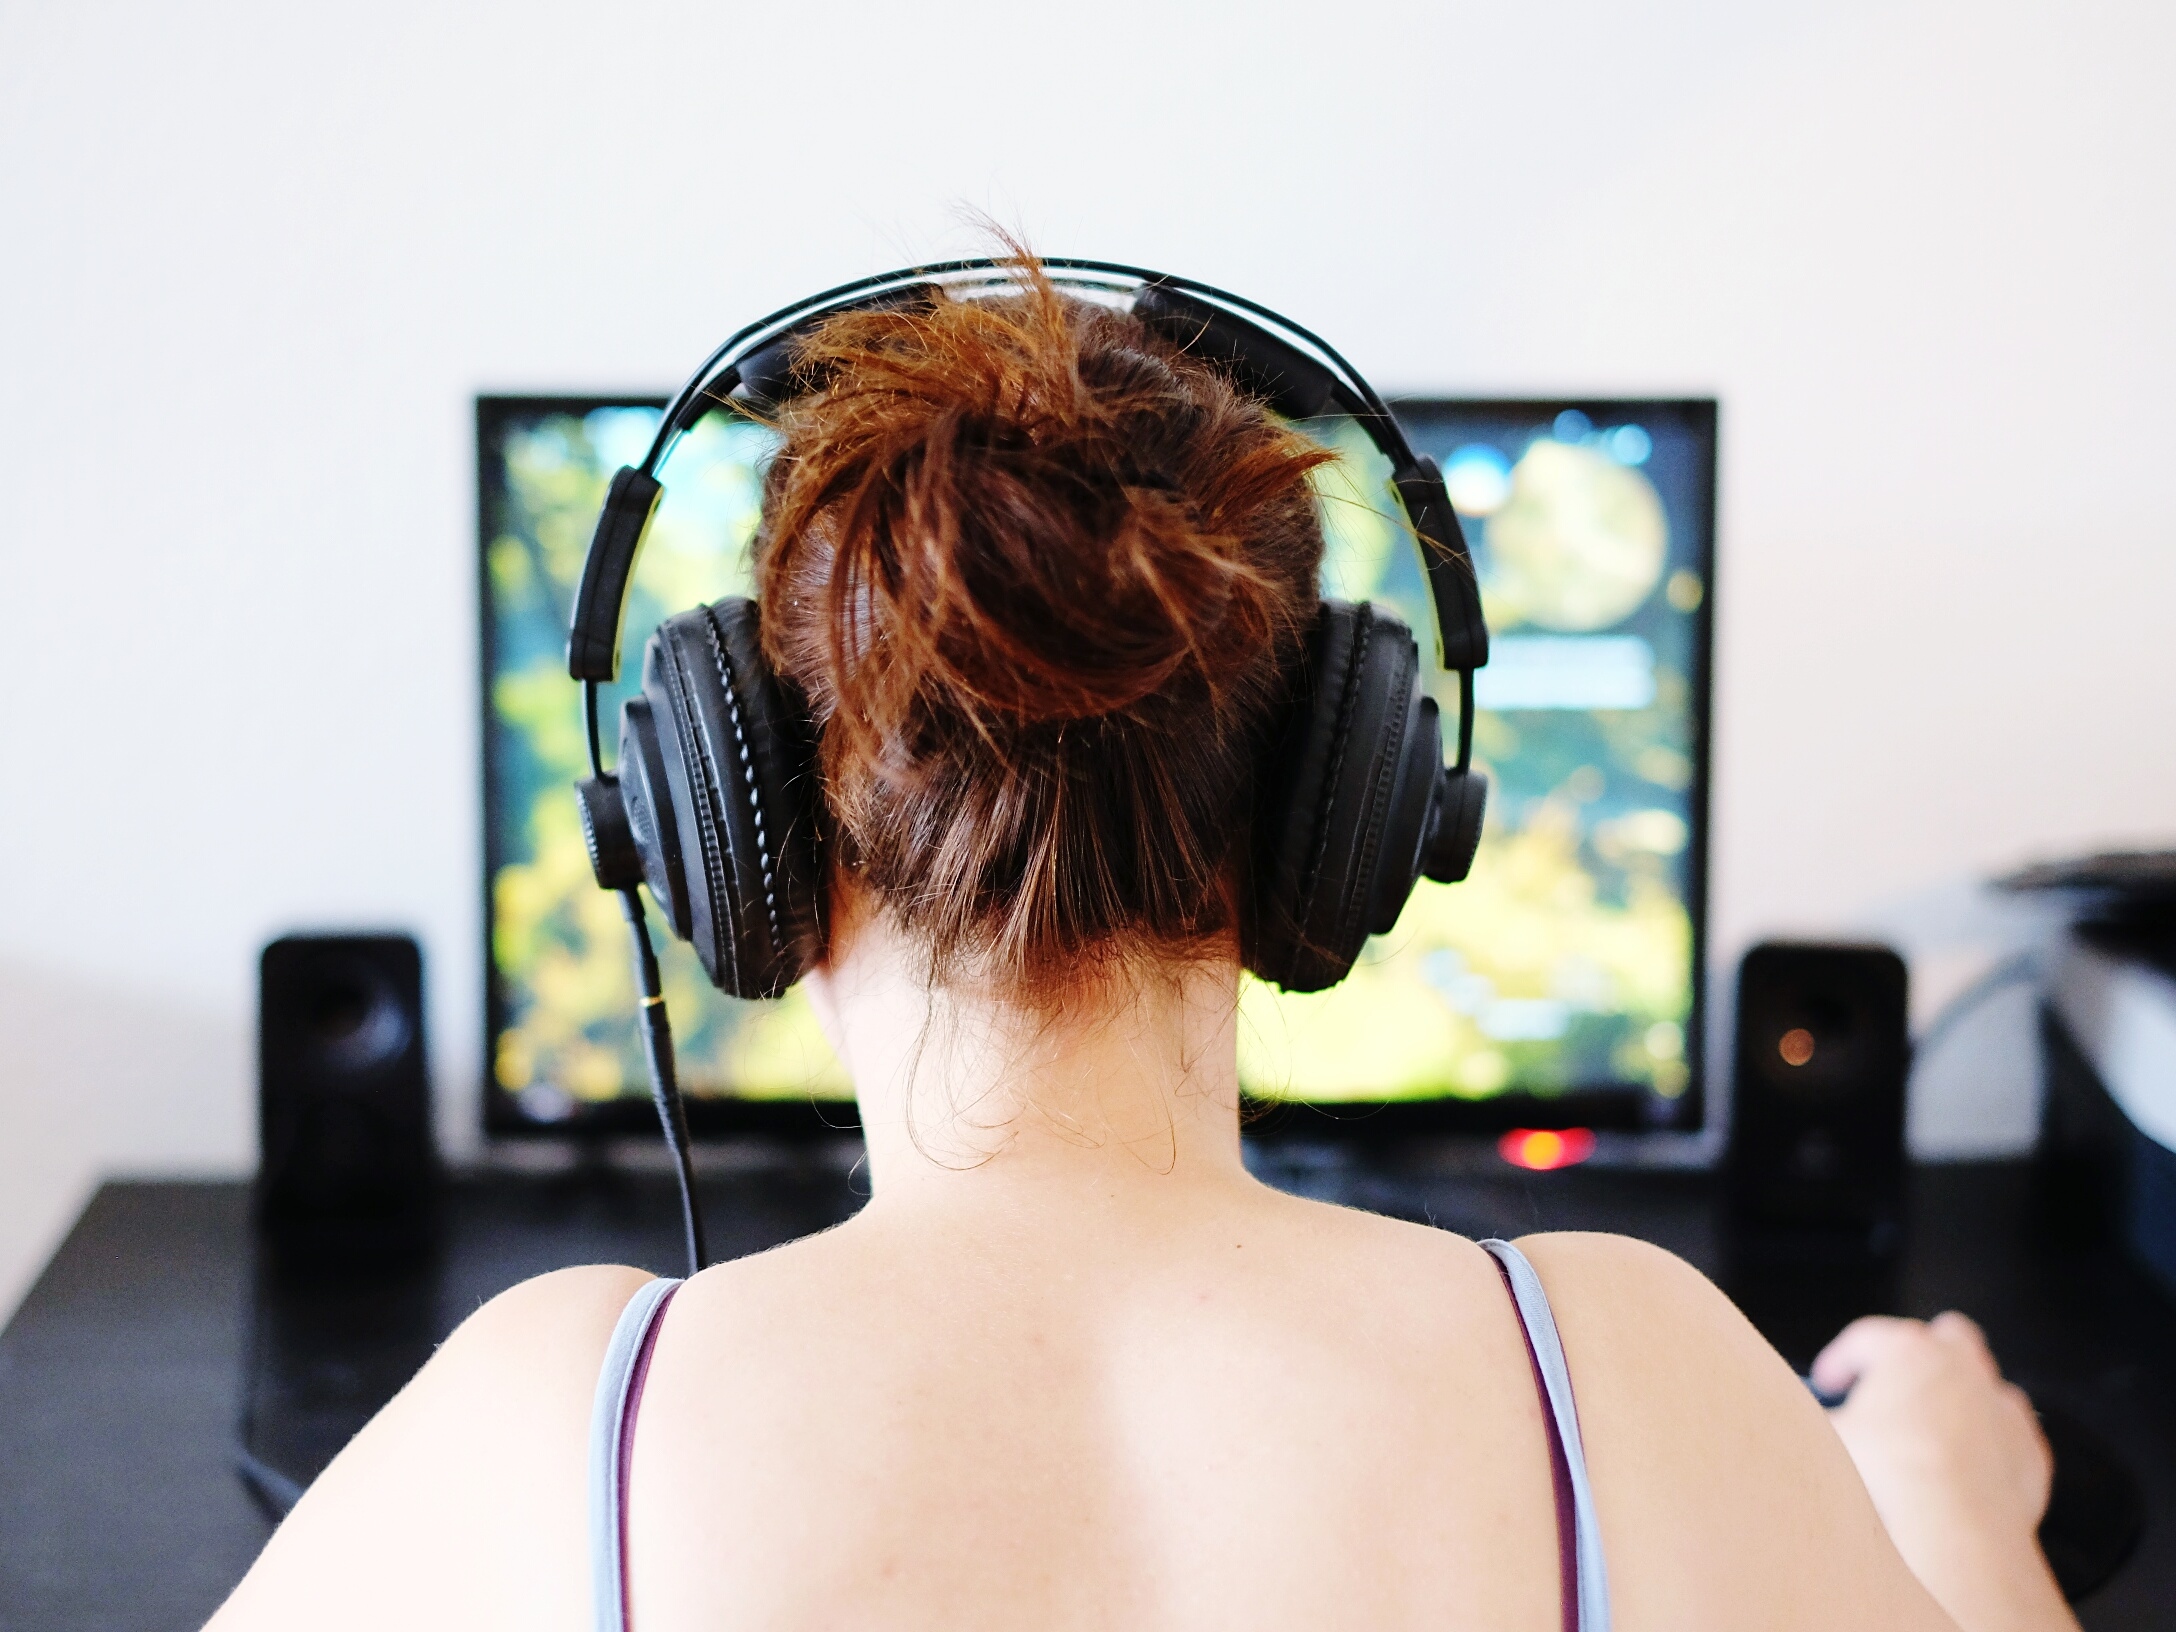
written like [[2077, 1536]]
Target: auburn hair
[[1041, 578]]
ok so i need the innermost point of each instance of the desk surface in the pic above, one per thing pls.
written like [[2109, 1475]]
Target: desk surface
[[119, 1377]]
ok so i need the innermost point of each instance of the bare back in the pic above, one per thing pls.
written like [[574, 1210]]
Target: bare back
[[1238, 1409]]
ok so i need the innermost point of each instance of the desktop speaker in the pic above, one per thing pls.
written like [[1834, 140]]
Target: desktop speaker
[[348, 1171], [1815, 1168]]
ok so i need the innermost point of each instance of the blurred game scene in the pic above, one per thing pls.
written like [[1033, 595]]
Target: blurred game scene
[[1558, 983]]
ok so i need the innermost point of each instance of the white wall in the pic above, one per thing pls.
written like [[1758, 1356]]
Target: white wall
[[254, 261]]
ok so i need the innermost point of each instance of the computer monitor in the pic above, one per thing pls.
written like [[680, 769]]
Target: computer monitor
[[1559, 986]]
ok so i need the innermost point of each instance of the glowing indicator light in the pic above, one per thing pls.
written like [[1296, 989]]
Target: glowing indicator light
[[1796, 1046], [1541, 1149]]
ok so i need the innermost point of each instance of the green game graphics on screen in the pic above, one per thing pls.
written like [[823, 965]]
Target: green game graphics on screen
[[1565, 963]]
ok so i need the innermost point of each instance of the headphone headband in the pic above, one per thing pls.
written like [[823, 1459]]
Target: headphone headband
[[1297, 373]]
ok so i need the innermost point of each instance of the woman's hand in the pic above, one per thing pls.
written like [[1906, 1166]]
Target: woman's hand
[[1956, 1463]]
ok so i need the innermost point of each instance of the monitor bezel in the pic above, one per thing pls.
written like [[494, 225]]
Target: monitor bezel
[[1619, 1108]]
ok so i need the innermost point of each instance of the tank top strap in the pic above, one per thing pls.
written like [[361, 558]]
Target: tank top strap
[[1579, 1535], [612, 1444]]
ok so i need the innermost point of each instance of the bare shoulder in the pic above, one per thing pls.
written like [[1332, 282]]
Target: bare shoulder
[[565, 1315], [462, 1503], [1646, 1298], [1724, 1494], [1371, 1236]]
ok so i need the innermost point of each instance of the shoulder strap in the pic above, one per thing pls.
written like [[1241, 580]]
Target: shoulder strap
[[1586, 1576], [611, 1439]]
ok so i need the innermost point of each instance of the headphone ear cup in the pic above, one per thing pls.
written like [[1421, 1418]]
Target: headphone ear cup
[[1407, 819], [1343, 808], [646, 792], [738, 758], [1290, 797], [1455, 835]]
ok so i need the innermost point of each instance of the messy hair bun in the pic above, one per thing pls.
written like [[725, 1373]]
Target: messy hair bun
[[1040, 577]]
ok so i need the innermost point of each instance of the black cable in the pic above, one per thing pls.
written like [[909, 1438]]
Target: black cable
[[2017, 970], [589, 719], [274, 1492], [664, 1081]]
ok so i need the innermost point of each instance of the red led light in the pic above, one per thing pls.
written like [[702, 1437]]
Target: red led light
[[1540, 1149]]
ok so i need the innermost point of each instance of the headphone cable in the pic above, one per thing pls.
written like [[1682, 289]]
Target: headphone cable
[[672, 1112]]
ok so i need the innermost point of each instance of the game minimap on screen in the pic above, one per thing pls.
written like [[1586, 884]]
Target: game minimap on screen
[[1559, 985]]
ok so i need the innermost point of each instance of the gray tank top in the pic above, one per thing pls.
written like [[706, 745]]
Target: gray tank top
[[1584, 1576]]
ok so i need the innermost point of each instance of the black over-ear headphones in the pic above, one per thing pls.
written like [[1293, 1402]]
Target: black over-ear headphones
[[715, 799]]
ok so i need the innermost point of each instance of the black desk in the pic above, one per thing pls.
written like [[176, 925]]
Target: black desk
[[119, 1507]]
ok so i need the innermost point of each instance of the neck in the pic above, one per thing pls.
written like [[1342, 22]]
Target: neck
[[969, 1099]]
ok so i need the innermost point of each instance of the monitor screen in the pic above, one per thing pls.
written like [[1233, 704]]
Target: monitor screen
[[1558, 986]]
